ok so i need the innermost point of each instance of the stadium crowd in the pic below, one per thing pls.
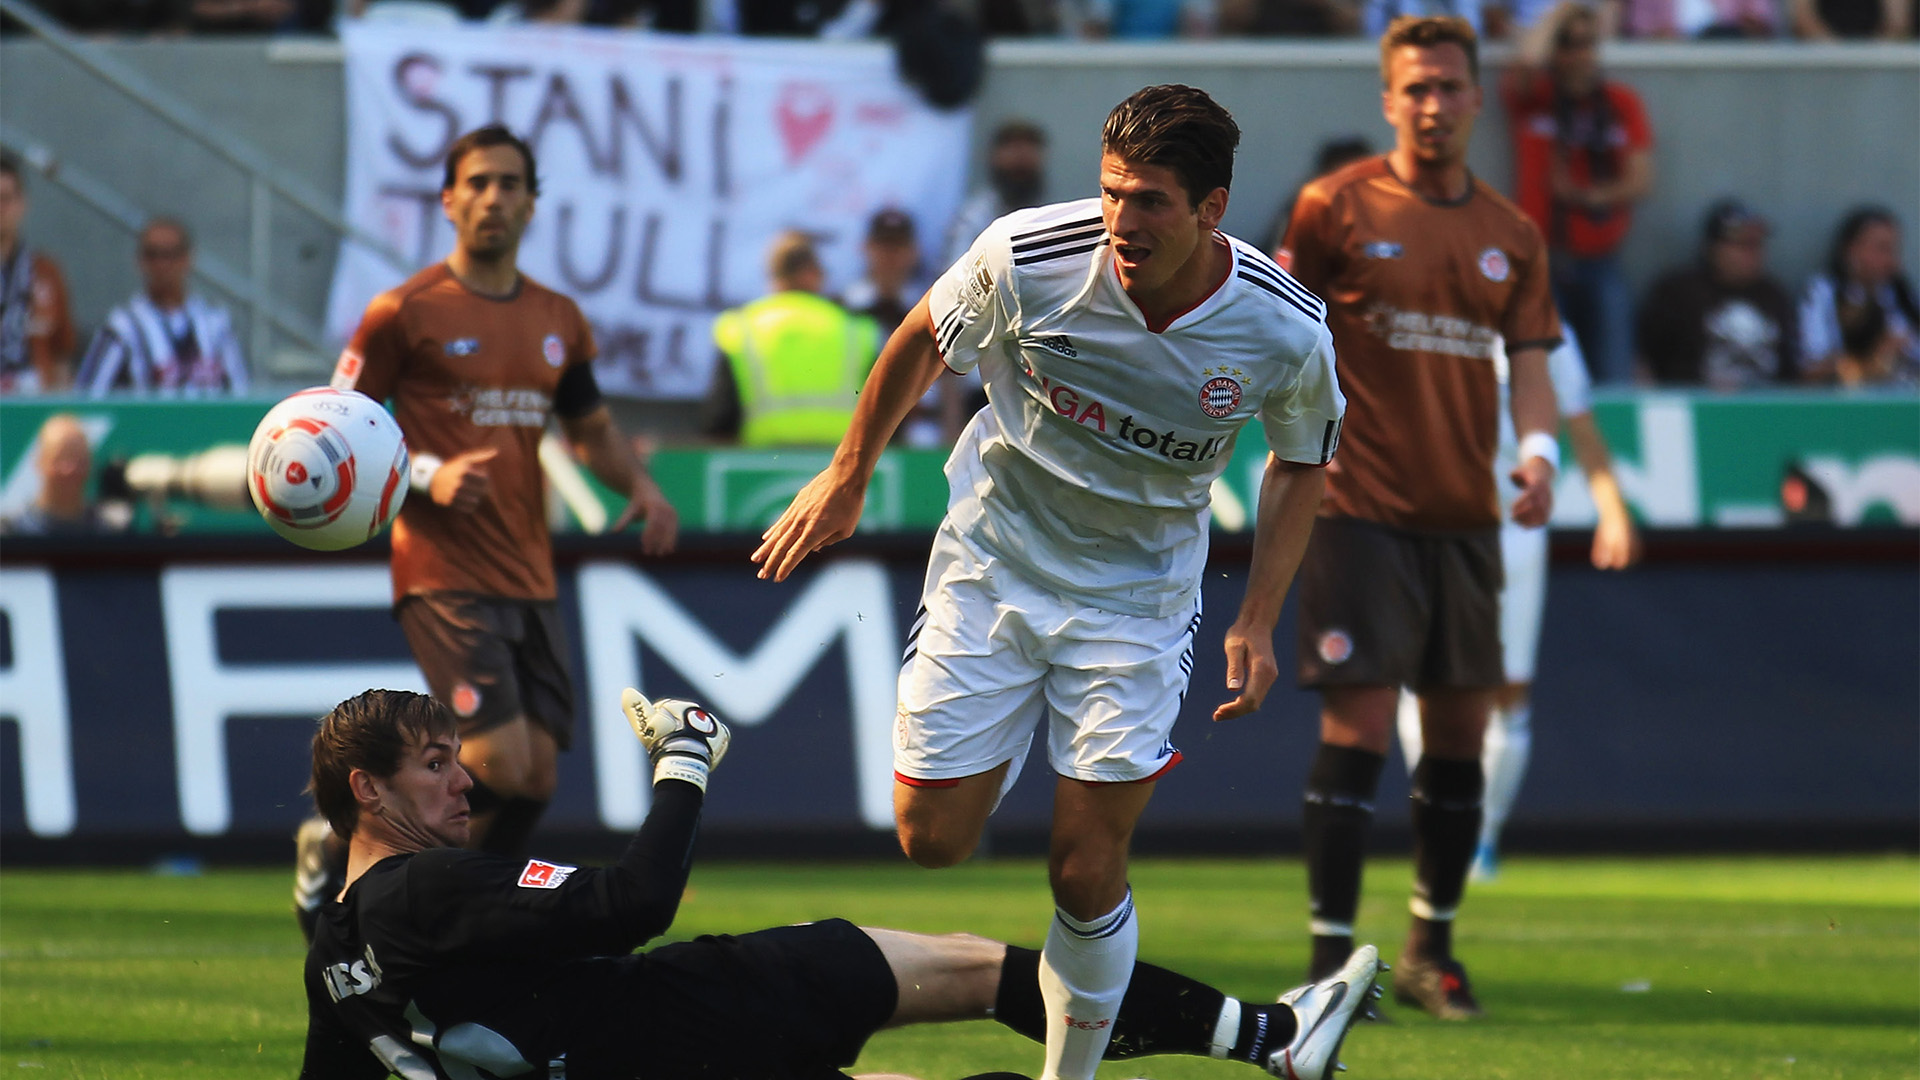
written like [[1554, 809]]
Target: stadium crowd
[[1661, 20]]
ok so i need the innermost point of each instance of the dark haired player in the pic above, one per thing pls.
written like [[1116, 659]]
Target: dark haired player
[[1424, 269], [1124, 342], [436, 963], [475, 358]]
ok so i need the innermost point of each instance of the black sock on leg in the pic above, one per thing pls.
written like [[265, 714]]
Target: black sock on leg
[[511, 827], [1446, 826], [1164, 1012], [1336, 818]]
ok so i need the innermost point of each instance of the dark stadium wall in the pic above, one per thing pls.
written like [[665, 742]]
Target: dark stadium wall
[[1760, 703]]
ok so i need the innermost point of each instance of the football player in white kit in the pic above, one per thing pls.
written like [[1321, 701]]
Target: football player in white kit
[[1124, 342], [1523, 551]]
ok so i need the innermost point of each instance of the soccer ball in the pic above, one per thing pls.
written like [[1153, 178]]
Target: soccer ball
[[327, 468]]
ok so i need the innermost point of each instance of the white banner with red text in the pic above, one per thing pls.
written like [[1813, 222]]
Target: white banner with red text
[[666, 167]]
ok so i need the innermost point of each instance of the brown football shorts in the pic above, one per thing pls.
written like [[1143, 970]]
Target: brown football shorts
[[1384, 607], [491, 658]]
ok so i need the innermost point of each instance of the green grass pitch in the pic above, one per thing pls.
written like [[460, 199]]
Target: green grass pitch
[[1801, 969]]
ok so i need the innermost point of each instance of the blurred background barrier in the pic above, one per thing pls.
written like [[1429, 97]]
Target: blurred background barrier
[[1684, 460], [164, 703]]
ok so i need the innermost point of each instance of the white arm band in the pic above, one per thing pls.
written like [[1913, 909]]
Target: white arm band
[[1541, 445], [420, 473]]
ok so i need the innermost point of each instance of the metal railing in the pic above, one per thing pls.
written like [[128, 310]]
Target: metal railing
[[101, 198], [265, 181]]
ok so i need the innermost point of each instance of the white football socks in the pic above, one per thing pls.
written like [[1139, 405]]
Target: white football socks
[[1504, 760], [1084, 971]]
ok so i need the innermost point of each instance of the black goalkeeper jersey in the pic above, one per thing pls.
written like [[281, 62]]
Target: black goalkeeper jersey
[[443, 962]]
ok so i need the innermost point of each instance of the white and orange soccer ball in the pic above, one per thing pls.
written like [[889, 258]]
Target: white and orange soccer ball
[[328, 468]]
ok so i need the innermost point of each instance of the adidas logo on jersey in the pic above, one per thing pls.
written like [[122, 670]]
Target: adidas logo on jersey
[[1059, 343]]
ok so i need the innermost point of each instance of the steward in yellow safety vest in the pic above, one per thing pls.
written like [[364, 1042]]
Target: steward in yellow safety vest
[[796, 360]]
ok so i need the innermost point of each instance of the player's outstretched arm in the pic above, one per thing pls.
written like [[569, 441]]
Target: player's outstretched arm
[[1289, 499], [828, 508], [612, 459], [1616, 543]]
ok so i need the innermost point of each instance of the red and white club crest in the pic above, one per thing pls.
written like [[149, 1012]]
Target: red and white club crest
[[1494, 265], [1336, 647], [466, 699], [544, 875], [1219, 397], [554, 350]]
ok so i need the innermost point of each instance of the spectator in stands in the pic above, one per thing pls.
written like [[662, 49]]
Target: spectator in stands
[[165, 340], [1724, 322], [36, 332], [63, 460], [260, 16], [1827, 20], [120, 16], [890, 286], [1288, 18], [1016, 179], [885, 295], [792, 363], [1583, 155], [1138, 20], [1334, 154], [1862, 287], [1376, 14], [1693, 19]]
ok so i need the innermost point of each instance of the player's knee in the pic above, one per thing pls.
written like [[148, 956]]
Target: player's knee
[[1088, 879], [935, 847]]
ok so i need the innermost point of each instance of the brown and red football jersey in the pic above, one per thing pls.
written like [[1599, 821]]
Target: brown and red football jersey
[[1418, 293], [466, 371]]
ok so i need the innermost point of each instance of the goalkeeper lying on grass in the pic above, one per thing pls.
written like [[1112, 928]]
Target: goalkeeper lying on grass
[[438, 962]]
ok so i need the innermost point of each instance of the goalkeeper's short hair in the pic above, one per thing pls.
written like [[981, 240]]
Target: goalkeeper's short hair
[[368, 731]]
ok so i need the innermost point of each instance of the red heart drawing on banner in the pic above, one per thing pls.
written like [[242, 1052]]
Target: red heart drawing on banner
[[805, 114]]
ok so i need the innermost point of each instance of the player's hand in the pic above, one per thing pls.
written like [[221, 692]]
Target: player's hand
[[1616, 543], [461, 482], [1251, 670], [824, 512], [683, 740], [661, 530], [1534, 478]]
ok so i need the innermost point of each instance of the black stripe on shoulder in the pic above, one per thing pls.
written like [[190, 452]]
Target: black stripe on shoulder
[[1069, 226], [1330, 441], [1276, 276], [1282, 294], [1059, 253], [1096, 229]]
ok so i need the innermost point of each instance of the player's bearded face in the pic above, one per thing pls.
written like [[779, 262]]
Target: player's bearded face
[[424, 803], [1432, 100], [1154, 226], [489, 203]]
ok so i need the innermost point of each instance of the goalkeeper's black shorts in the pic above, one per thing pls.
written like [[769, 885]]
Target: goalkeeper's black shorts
[[791, 1003]]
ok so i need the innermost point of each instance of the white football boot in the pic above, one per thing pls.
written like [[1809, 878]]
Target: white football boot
[[1323, 1013]]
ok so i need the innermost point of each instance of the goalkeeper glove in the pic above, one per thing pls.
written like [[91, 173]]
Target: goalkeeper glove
[[683, 740]]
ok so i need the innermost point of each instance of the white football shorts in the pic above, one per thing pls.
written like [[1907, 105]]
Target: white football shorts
[[992, 653], [1523, 600]]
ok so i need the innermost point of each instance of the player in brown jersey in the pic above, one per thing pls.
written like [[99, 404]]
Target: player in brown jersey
[[475, 357], [1422, 267]]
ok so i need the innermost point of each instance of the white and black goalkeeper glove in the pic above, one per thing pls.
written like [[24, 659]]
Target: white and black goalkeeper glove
[[683, 740]]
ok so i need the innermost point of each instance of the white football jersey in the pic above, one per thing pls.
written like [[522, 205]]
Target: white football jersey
[[1091, 465], [1572, 390]]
